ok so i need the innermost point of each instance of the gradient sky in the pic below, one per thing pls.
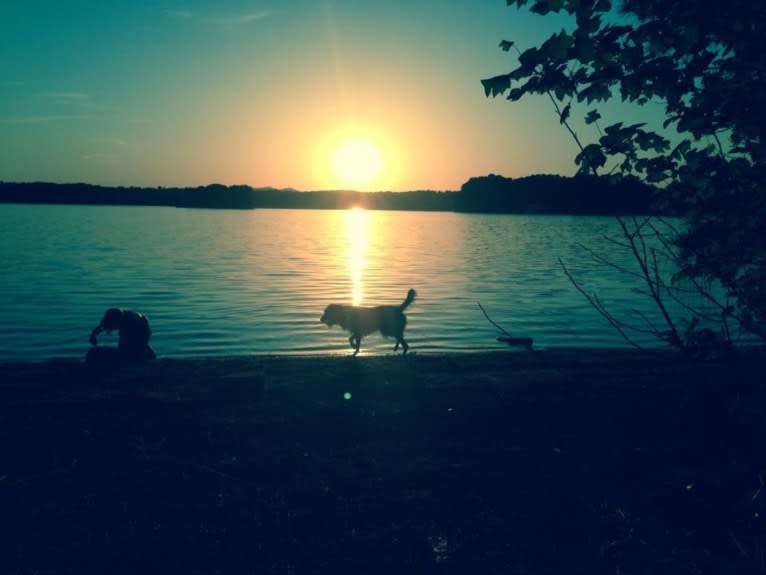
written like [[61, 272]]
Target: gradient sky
[[187, 93]]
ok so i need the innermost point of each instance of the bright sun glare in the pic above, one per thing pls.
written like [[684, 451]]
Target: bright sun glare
[[357, 163], [357, 230]]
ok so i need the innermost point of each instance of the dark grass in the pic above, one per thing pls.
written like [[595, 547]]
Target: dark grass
[[561, 461]]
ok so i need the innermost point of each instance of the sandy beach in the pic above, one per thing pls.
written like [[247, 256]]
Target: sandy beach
[[555, 461]]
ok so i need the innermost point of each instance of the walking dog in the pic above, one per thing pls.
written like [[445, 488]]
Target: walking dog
[[359, 321]]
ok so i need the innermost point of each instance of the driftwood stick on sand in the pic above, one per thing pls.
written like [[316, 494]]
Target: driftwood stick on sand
[[507, 338]]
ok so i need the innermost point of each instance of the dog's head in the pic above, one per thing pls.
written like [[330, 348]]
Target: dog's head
[[333, 315]]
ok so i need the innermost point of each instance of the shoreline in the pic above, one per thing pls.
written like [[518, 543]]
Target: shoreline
[[536, 355], [566, 460]]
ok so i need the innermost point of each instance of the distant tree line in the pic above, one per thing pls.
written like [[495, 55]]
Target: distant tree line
[[549, 194], [422, 200], [212, 196], [544, 194], [221, 197]]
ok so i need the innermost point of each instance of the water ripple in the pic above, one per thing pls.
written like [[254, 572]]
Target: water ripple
[[219, 282]]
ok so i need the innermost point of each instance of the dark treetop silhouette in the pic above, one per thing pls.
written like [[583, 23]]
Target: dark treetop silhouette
[[133, 344]]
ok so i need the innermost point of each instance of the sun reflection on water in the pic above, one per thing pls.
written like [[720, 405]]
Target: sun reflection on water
[[357, 233]]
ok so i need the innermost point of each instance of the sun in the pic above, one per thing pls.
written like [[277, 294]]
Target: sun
[[357, 163]]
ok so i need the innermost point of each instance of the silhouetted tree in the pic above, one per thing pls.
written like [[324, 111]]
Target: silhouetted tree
[[702, 61], [551, 194]]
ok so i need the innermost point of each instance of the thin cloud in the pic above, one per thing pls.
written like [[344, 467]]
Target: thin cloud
[[101, 158], [184, 14], [71, 96], [42, 119], [109, 141], [241, 19], [232, 20]]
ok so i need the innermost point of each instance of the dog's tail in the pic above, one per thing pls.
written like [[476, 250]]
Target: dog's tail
[[409, 299]]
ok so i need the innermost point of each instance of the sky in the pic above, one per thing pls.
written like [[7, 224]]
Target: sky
[[303, 94]]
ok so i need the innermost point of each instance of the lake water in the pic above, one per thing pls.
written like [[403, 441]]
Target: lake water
[[222, 282]]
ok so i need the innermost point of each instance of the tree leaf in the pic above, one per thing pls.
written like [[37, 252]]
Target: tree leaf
[[496, 85], [592, 116], [506, 45], [565, 113]]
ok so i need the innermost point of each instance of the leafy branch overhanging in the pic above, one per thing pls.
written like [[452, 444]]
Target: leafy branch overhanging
[[709, 77]]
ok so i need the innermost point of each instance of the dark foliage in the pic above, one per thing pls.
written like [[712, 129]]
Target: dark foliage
[[548, 194], [703, 62]]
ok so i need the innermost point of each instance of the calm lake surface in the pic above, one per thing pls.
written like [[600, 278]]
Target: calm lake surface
[[223, 282]]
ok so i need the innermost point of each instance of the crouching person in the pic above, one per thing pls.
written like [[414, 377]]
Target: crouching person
[[133, 344]]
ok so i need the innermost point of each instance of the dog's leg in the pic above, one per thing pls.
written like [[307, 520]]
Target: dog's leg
[[400, 340], [355, 341]]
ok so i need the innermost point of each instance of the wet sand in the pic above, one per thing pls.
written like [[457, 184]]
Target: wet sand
[[557, 461]]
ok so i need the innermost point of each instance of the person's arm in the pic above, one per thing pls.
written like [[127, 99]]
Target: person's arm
[[96, 330]]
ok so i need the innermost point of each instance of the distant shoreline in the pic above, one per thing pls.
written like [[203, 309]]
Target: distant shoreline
[[540, 194]]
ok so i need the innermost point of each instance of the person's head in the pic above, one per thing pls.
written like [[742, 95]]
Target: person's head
[[112, 319]]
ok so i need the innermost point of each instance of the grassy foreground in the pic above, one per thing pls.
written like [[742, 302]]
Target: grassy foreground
[[559, 461]]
